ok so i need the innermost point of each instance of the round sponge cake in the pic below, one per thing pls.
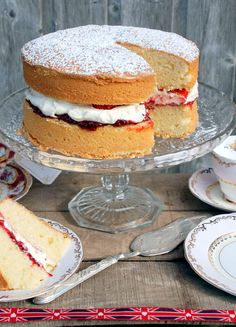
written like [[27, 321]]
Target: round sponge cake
[[106, 67]]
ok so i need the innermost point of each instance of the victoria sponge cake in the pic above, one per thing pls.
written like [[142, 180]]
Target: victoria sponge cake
[[30, 248], [105, 91]]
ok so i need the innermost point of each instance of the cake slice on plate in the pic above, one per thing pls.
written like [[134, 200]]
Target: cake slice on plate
[[30, 248]]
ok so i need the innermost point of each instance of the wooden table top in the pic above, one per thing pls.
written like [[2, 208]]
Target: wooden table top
[[165, 280]]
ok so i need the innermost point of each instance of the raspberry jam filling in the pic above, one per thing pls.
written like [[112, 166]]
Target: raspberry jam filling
[[104, 106], [90, 125], [163, 97], [21, 245]]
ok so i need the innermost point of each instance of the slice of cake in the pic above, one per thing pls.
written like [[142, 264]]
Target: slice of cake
[[175, 60], [30, 248], [174, 113]]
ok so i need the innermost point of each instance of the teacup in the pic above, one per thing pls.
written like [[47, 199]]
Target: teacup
[[224, 166], [6, 156]]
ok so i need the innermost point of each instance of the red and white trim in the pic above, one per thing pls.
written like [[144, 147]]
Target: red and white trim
[[134, 313]]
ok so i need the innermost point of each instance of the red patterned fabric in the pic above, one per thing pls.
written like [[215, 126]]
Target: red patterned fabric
[[136, 313]]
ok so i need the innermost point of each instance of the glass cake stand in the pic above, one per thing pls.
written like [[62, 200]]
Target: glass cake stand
[[115, 206]]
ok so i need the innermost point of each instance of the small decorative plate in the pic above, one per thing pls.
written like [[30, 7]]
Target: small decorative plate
[[6, 156], [15, 182], [67, 266], [210, 250], [204, 185]]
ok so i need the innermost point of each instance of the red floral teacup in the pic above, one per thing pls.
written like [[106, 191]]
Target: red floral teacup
[[6, 155]]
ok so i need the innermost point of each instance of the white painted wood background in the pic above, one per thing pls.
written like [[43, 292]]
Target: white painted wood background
[[209, 23]]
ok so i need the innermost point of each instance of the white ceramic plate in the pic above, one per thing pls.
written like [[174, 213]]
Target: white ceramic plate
[[204, 185], [68, 265], [210, 250]]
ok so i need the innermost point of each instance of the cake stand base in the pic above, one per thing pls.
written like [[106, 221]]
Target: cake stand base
[[115, 207]]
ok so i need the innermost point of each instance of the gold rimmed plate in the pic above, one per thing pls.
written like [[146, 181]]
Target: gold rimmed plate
[[210, 250], [204, 185]]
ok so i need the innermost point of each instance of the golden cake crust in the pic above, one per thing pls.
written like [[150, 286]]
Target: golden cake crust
[[81, 89], [3, 283], [108, 64], [105, 142]]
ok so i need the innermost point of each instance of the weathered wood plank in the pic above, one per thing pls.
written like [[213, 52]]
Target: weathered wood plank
[[74, 13], [168, 284], [179, 15], [98, 245], [172, 190], [20, 21], [147, 13], [212, 25], [114, 12], [52, 15], [200, 163]]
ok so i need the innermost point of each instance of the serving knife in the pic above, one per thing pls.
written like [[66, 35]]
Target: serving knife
[[157, 242]]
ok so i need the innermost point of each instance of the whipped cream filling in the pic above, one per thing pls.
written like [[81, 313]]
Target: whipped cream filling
[[164, 97], [193, 94], [37, 254], [52, 107]]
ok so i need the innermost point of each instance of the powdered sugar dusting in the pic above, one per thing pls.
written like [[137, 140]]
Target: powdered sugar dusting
[[93, 49], [158, 40]]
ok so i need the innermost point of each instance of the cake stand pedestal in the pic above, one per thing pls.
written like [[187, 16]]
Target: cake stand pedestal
[[115, 206]]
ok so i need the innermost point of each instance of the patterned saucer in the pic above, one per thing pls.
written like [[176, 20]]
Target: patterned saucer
[[15, 182], [210, 250], [204, 185]]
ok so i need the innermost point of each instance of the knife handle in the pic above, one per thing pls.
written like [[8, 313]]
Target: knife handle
[[75, 280]]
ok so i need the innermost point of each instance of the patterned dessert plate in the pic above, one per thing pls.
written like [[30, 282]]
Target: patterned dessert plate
[[210, 250], [204, 185], [15, 182], [67, 266]]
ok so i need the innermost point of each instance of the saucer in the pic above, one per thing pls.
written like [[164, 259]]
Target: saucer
[[67, 266], [204, 185], [210, 250], [15, 182], [6, 155]]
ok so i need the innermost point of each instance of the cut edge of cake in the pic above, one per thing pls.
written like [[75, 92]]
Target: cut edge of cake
[[29, 246]]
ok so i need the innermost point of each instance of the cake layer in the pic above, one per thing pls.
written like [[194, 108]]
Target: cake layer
[[104, 142], [171, 71], [33, 252], [174, 121], [109, 64], [89, 89], [16, 269], [37, 232]]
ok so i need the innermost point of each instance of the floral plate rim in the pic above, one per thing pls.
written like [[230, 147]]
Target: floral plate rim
[[28, 181]]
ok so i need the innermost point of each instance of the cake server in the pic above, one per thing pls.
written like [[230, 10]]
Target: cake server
[[157, 242]]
